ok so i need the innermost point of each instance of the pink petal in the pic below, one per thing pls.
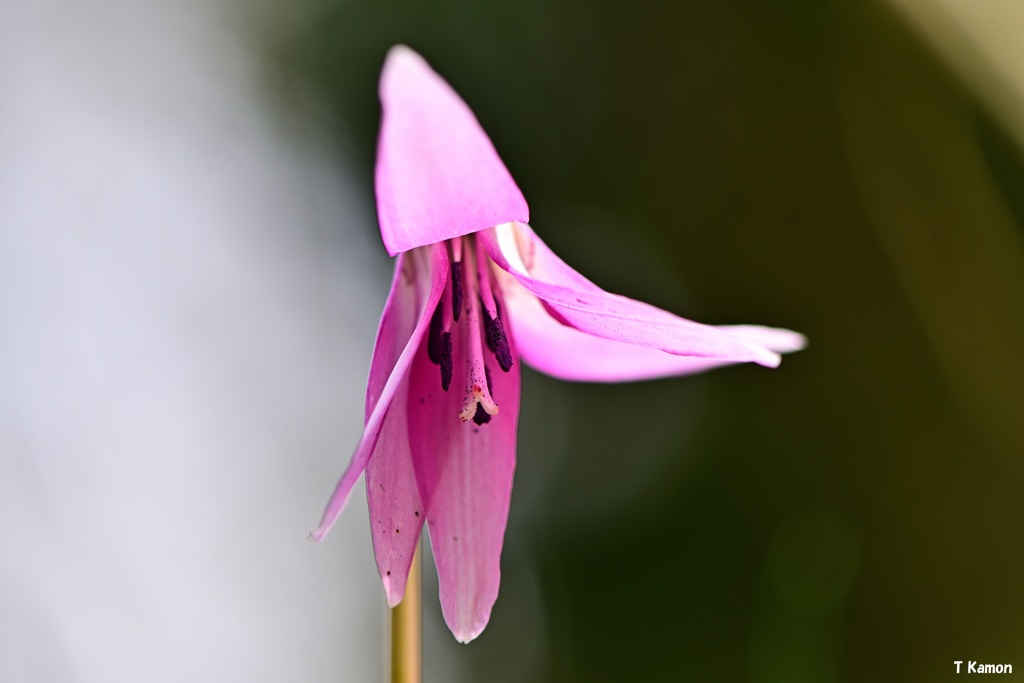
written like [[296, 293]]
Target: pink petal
[[438, 175], [396, 509], [465, 476], [419, 280], [391, 492], [576, 301], [565, 352]]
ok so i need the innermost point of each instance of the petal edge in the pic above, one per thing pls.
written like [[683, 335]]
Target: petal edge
[[434, 265]]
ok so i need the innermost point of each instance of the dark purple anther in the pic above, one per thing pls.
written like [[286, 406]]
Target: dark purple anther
[[434, 336], [498, 343], [456, 290], [486, 319], [494, 336], [446, 360]]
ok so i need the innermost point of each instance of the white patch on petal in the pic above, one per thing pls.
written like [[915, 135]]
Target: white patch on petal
[[506, 234]]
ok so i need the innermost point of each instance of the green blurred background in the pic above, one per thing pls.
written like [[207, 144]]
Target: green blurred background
[[823, 166]]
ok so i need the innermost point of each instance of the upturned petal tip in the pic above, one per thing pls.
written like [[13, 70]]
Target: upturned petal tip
[[563, 351], [438, 176], [777, 339]]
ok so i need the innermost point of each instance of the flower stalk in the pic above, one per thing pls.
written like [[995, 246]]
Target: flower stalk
[[406, 631]]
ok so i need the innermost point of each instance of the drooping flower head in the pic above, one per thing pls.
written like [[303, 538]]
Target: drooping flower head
[[475, 290]]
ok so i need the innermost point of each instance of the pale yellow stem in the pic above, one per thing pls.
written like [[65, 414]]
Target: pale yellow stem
[[406, 659]]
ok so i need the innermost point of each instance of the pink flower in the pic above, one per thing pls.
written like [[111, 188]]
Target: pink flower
[[475, 290]]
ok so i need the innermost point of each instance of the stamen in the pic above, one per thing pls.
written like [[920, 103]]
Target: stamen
[[434, 336], [498, 342], [482, 277], [439, 338], [446, 363], [494, 329], [456, 280]]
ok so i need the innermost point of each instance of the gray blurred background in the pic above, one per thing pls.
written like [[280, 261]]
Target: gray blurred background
[[191, 275]]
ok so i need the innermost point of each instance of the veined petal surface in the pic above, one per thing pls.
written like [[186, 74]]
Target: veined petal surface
[[583, 305], [438, 175], [465, 476], [565, 352]]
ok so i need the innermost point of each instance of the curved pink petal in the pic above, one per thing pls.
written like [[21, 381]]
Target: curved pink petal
[[419, 280], [583, 305], [438, 175], [567, 353], [465, 476]]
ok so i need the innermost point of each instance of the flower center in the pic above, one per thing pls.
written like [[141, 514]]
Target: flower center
[[470, 308]]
